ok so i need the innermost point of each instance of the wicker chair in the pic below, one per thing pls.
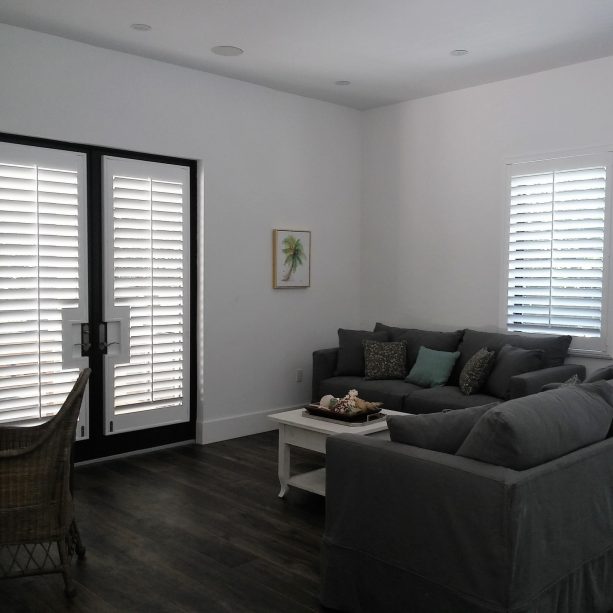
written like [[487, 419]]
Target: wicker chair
[[38, 533]]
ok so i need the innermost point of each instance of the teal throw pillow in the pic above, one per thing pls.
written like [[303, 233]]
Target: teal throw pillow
[[432, 367]]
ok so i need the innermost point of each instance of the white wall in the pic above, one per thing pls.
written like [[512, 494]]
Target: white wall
[[433, 183], [269, 160]]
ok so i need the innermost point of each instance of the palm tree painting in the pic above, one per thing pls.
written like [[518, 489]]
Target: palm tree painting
[[291, 258]]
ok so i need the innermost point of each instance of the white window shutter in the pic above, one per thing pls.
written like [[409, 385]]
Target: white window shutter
[[147, 216], [39, 276], [557, 250]]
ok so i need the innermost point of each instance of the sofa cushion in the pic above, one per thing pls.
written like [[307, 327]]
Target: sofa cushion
[[476, 371], [385, 360], [351, 351], [432, 368], [532, 430], [440, 341], [511, 361], [438, 399], [443, 432], [555, 347], [392, 393], [602, 374]]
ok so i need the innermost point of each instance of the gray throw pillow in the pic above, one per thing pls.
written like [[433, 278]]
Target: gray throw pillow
[[532, 430], [350, 361], [512, 361], [443, 432], [476, 371], [385, 360]]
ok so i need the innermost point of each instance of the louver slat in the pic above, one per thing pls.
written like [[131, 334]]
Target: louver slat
[[556, 252], [39, 276], [148, 255]]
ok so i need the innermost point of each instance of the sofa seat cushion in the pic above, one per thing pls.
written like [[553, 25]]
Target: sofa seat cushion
[[532, 430], [392, 393], [443, 432], [438, 399], [555, 348]]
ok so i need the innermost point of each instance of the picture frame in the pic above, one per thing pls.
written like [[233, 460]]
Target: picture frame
[[291, 258]]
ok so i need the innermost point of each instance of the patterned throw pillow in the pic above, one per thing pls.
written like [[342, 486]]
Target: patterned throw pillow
[[476, 371], [385, 360]]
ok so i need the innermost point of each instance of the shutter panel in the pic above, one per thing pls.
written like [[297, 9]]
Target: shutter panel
[[149, 257], [39, 277], [556, 252]]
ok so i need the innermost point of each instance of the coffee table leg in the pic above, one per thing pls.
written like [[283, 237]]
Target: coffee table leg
[[283, 461]]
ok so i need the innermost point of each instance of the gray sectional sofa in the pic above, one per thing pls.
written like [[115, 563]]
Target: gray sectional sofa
[[397, 394], [516, 517]]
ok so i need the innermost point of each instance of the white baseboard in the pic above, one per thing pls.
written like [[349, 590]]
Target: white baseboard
[[224, 428]]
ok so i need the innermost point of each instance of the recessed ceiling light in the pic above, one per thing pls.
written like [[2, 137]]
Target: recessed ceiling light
[[227, 50], [342, 82], [141, 27], [459, 52]]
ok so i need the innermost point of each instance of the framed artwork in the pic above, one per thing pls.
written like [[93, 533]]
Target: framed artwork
[[291, 258]]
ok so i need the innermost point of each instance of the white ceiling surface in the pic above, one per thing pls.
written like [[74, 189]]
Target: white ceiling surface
[[391, 50]]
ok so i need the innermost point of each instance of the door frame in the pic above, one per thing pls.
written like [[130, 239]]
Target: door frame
[[99, 445]]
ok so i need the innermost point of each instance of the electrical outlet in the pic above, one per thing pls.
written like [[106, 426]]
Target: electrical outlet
[[299, 373]]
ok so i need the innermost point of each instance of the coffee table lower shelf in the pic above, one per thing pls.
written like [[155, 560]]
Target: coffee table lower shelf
[[314, 481], [296, 430]]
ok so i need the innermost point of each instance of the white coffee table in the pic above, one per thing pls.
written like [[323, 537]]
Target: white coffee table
[[300, 431]]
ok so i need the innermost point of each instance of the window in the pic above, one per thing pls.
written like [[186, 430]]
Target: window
[[558, 243]]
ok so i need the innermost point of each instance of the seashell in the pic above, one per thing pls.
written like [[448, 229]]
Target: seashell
[[325, 401]]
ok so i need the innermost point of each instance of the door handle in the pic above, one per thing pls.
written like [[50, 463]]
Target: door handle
[[104, 344], [85, 343]]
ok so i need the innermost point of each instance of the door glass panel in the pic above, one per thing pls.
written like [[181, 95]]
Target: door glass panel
[[146, 293], [43, 274]]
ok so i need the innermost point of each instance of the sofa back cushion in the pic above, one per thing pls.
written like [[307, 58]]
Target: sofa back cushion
[[443, 432], [351, 351], [532, 430], [511, 361], [439, 341], [555, 348]]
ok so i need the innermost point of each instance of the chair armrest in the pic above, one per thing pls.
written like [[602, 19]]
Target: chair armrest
[[409, 508], [324, 365], [532, 382]]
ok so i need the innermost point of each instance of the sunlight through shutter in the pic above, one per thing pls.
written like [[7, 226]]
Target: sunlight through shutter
[[556, 252], [39, 276]]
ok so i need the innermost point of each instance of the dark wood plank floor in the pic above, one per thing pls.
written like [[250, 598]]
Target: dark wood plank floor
[[188, 529]]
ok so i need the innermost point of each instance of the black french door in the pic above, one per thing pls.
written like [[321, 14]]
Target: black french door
[[96, 270]]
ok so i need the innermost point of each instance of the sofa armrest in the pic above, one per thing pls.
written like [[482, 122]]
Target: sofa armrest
[[324, 365], [409, 508], [565, 502], [532, 382]]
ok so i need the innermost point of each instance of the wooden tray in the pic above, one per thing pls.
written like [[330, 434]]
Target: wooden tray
[[370, 415]]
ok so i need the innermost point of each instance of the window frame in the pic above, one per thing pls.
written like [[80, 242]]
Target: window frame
[[588, 347]]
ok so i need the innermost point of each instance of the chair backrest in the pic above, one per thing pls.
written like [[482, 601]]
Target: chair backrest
[[35, 499]]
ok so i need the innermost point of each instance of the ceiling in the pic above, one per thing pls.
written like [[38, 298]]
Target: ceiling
[[390, 50]]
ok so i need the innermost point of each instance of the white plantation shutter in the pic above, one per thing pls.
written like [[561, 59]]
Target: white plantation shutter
[[147, 206], [40, 216], [557, 246]]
